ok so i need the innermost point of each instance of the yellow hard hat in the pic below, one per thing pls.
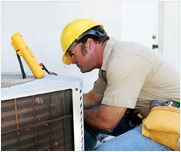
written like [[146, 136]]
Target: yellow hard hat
[[71, 33]]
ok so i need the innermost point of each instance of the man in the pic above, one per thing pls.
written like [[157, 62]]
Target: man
[[130, 77]]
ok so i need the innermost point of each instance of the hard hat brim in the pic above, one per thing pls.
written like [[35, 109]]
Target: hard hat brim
[[66, 59]]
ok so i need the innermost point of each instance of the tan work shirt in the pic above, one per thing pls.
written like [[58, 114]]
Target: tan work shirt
[[132, 74]]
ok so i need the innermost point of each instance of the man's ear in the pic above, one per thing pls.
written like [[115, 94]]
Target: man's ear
[[90, 43]]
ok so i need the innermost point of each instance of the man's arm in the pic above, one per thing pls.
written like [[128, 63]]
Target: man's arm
[[92, 99], [103, 117]]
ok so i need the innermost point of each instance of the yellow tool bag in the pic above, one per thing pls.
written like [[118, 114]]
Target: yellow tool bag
[[163, 126]]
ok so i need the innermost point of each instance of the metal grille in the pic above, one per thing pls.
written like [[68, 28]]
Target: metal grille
[[39, 122]]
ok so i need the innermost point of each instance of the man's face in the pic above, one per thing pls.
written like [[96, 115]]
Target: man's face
[[83, 56]]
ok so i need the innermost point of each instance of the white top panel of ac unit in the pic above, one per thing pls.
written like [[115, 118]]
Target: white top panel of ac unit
[[13, 86]]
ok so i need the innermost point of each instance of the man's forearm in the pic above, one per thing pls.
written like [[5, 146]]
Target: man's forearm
[[104, 118], [92, 99]]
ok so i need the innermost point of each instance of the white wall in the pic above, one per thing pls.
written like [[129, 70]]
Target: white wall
[[41, 22], [169, 31]]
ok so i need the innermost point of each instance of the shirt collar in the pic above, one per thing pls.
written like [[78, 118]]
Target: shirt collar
[[107, 52]]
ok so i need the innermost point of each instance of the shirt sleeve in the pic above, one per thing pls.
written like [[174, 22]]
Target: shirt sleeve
[[101, 83], [125, 77]]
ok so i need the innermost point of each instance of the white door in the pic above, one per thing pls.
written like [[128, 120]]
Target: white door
[[141, 20]]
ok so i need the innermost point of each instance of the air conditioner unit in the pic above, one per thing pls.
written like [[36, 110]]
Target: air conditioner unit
[[42, 114]]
